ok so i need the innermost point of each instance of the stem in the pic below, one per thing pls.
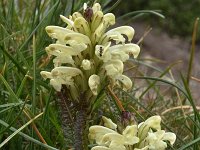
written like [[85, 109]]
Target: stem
[[79, 128], [74, 119], [66, 115]]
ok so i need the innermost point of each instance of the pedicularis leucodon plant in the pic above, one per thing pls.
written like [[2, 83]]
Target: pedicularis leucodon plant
[[87, 58], [86, 55], [145, 136]]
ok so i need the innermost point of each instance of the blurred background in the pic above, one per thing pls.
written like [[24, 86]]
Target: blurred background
[[166, 40], [169, 38], [179, 15]]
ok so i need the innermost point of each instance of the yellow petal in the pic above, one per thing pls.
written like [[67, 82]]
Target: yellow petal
[[56, 85], [77, 45], [132, 49], [114, 68], [154, 140], [52, 51], [82, 26], [68, 71], [114, 141], [96, 20], [76, 15], [123, 30], [144, 127], [46, 74], [100, 129], [108, 123], [63, 54], [130, 133], [96, 7], [121, 55], [169, 136], [63, 59], [57, 32], [77, 37], [97, 35], [109, 19], [154, 122], [109, 137], [63, 50], [97, 132], [126, 82], [67, 21]]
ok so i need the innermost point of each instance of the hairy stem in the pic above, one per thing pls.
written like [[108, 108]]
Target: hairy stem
[[80, 126], [66, 115]]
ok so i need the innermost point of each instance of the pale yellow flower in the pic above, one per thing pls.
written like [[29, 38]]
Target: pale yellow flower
[[156, 139], [61, 76], [106, 137], [144, 127], [133, 137], [85, 44], [97, 132]]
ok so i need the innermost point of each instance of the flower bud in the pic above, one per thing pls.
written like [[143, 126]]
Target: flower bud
[[93, 83], [108, 123], [86, 64]]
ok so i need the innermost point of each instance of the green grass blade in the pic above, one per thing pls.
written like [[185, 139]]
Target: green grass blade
[[34, 77], [28, 137], [14, 96], [11, 105], [21, 87], [14, 120], [145, 64], [154, 12], [10, 36], [113, 6], [186, 146], [192, 51], [18, 130], [47, 106], [13, 60]]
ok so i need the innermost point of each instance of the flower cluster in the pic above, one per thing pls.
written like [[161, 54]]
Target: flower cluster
[[145, 136], [85, 54]]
